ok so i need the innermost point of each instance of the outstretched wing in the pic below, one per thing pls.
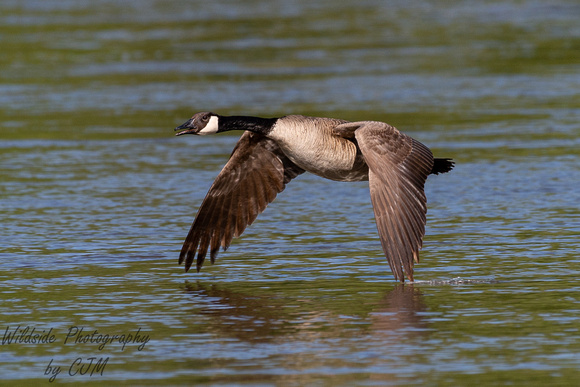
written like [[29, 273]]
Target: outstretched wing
[[255, 173], [398, 169]]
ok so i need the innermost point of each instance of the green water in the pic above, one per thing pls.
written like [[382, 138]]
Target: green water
[[96, 194]]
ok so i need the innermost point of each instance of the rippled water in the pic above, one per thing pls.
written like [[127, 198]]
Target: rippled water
[[97, 194]]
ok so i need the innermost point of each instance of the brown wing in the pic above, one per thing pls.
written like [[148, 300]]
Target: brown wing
[[256, 172], [398, 169]]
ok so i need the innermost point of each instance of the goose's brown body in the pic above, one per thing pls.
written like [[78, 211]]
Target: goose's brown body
[[317, 146], [273, 151]]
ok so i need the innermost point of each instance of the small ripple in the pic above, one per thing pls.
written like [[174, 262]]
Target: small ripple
[[458, 281]]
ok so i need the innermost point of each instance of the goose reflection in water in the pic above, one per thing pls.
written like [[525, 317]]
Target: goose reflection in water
[[265, 318]]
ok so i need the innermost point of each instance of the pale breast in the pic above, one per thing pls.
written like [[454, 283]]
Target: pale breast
[[311, 144]]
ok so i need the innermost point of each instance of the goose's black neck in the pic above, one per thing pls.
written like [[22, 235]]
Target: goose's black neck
[[253, 124]]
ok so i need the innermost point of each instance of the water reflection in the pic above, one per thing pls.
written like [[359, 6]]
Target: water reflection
[[397, 322], [400, 311], [393, 318], [243, 316]]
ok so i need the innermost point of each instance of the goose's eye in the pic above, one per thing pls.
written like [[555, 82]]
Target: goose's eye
[[206, 117]]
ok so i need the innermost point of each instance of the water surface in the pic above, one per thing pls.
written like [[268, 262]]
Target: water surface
[[97, 194]]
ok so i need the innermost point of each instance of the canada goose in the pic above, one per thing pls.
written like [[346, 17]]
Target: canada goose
[[273, 151]]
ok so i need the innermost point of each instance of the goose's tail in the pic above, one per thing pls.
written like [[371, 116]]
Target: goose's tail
[[442, 166]]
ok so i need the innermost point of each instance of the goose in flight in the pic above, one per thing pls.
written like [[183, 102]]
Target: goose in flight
[[273, 151]]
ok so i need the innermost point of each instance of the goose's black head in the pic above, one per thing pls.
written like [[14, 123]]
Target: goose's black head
[[201, 123]]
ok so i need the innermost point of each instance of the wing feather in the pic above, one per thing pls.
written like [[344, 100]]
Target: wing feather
[[256, 172], [398, 169]]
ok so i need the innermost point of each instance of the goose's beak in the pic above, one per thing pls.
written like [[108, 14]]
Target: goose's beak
[[186, 128]]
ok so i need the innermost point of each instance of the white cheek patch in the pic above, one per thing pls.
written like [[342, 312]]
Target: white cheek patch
[[211, 127]]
